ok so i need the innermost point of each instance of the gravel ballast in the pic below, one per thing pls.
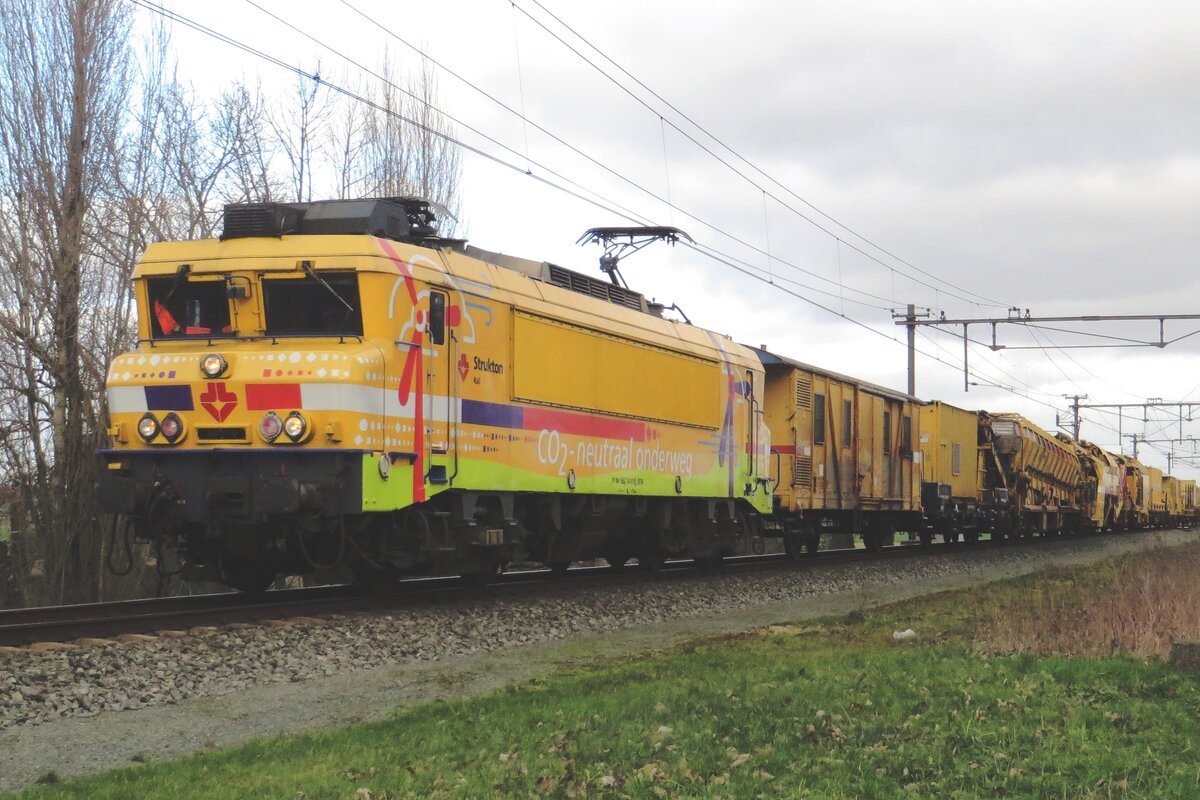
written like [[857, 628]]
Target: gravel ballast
[[90, 708]]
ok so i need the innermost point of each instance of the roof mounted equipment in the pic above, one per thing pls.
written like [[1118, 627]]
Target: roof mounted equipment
[[621, 242], [412, 220]]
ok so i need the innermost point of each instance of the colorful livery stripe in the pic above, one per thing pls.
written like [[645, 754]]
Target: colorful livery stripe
[[499, 415], [171, 397], [273, 396]]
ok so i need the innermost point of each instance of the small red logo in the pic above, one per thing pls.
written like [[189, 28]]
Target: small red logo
[[464, 366], [218, 401]]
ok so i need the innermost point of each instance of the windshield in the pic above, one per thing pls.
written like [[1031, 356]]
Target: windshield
[[183, 307], [304, 306]]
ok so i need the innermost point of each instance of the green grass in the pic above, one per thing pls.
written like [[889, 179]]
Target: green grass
[[831, 710]]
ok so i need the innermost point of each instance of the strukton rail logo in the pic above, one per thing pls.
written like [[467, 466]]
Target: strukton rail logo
[[488, 365], [218, 401]]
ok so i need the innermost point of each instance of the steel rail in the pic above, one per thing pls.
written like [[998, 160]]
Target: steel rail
[[103, 620]]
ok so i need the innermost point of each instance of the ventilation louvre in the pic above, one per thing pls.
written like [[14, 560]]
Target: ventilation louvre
[[803, 392], [802, 472], [243, 220], [594, 287]]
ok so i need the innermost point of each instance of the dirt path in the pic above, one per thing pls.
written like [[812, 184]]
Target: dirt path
[[79, 746]]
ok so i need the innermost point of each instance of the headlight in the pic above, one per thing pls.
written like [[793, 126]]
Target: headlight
[[172, 427], [147, 427], [214, 365], [295, 426], [270, 426]]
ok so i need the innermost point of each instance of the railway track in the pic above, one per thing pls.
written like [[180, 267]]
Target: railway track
[[100, 621]]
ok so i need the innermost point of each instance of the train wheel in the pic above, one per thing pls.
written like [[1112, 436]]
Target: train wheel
[[926, 537], [617, 561], [373, 580], [710, 562], [247, 577], [559, 567], [652, 562], [477, 579], [971, 537], [873, 539], [801, 544]]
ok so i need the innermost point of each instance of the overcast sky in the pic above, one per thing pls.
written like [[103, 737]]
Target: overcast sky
[[1043, 155]]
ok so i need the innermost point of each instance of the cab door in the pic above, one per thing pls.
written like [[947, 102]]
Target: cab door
[[441, 396]]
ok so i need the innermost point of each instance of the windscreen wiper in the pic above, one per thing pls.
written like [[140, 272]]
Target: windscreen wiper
[[311, 273], [180, 278]]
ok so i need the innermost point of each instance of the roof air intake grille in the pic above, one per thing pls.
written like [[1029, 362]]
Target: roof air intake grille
[[594, 287], [260, 219]]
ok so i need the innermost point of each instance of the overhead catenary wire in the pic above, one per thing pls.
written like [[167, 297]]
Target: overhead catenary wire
[[986, 300], [579, 192], [625, 212], [665, 200], [596, 162]]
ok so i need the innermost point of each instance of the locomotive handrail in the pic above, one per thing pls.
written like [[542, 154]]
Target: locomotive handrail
[[233, 337]]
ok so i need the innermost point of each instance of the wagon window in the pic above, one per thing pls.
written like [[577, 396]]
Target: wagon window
[[955, 458], [303, 306], [887, 432], [847, 423], [906, 435], [818, 419]]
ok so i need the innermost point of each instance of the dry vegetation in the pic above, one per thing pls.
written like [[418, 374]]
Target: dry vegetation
[[1138, 606]]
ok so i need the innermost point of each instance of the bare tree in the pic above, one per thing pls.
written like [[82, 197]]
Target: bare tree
[[435, 160], [407, 146], [385, 164], [299, 129], [241, 121], [347, 142], [64, 86]]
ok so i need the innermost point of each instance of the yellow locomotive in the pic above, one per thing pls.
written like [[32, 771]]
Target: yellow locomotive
[[333, 383]]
